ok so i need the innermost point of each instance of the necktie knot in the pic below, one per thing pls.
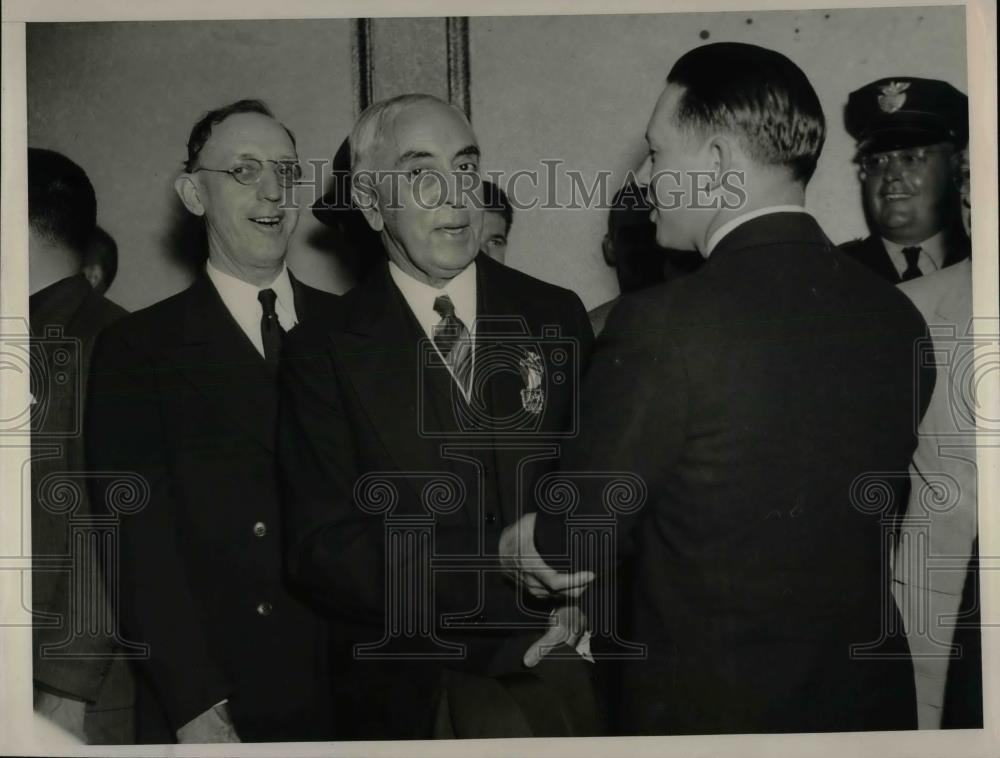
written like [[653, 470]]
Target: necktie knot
[[268, 298], [443, 306], [911, 255]]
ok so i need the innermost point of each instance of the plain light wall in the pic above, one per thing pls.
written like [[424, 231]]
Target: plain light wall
[[120, 99], [581, 89]]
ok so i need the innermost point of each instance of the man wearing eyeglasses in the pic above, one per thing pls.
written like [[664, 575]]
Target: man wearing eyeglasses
[[909, 133], [184, 394]]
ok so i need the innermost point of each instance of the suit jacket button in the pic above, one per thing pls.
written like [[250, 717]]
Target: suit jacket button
[[491, 518], [264, 609], [260, 528]]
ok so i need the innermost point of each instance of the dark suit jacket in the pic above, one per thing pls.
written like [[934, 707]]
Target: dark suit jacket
[[83, 668], [871, 252], [181, 396], [358, 401], [750, 397]]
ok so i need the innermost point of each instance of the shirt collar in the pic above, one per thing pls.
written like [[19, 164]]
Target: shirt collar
[[420, 296], [235, 290], [730, 225], [932, 248]]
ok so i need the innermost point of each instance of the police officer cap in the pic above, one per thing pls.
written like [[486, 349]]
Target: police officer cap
[[904, 111]]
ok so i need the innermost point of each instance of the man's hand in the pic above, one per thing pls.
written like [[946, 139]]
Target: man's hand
[[525, 566], [214, 725], [62, 711], [566, 624]]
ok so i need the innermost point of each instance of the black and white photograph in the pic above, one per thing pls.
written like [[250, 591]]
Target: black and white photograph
[[374, 379]]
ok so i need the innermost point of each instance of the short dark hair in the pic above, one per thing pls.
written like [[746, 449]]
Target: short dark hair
[[62, 206], [102, 250], [202, 130], [496, 200], [759, 96]]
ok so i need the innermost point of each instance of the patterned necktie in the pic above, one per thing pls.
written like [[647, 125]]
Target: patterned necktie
[[912, 271], [271, 333], [452, 339]]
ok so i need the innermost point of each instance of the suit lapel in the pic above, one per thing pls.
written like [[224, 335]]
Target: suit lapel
[[216, 356], [380, 352], [503, 321]]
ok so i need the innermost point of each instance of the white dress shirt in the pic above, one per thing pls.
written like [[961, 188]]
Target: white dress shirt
[[931, 254], [730, 225], [240, 299], [421, 296]]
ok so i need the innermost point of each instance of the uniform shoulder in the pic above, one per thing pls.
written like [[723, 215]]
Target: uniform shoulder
[[857, 245]]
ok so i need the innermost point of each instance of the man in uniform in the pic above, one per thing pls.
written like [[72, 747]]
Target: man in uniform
[[909, 133]]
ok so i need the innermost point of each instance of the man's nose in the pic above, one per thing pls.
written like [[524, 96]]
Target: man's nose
[[460, 185], [893, 168], [269, 188], [645, 173]]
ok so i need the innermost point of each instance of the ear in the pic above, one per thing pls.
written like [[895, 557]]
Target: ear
[[608, 249], [365, 198], [187, 190], [93, 275], [721, 150]]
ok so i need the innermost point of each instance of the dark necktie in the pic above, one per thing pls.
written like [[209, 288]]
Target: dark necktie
[[912, 271], [271, 333], [452, 338]]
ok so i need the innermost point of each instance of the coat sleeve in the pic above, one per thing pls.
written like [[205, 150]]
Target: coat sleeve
[[156, 604], [633, 406]]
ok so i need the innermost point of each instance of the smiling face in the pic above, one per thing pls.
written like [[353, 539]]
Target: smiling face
[[429, 228], [910, 204], [248, 225]]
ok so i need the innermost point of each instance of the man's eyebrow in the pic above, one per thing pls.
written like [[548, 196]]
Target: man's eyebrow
[[468, 150], [410, 155], [282, 157]]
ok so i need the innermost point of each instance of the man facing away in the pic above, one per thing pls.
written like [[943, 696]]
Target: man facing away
[[762, 413], [184, 395]]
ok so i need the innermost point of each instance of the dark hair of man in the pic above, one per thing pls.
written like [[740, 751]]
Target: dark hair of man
[[203, 129], [62, 207], [496, 200], [757, 95], [102, 250]]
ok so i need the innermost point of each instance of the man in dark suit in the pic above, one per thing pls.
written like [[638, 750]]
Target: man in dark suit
[[78, 682], [761, 412], [910, 133], [184, 394], [443, 382]]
